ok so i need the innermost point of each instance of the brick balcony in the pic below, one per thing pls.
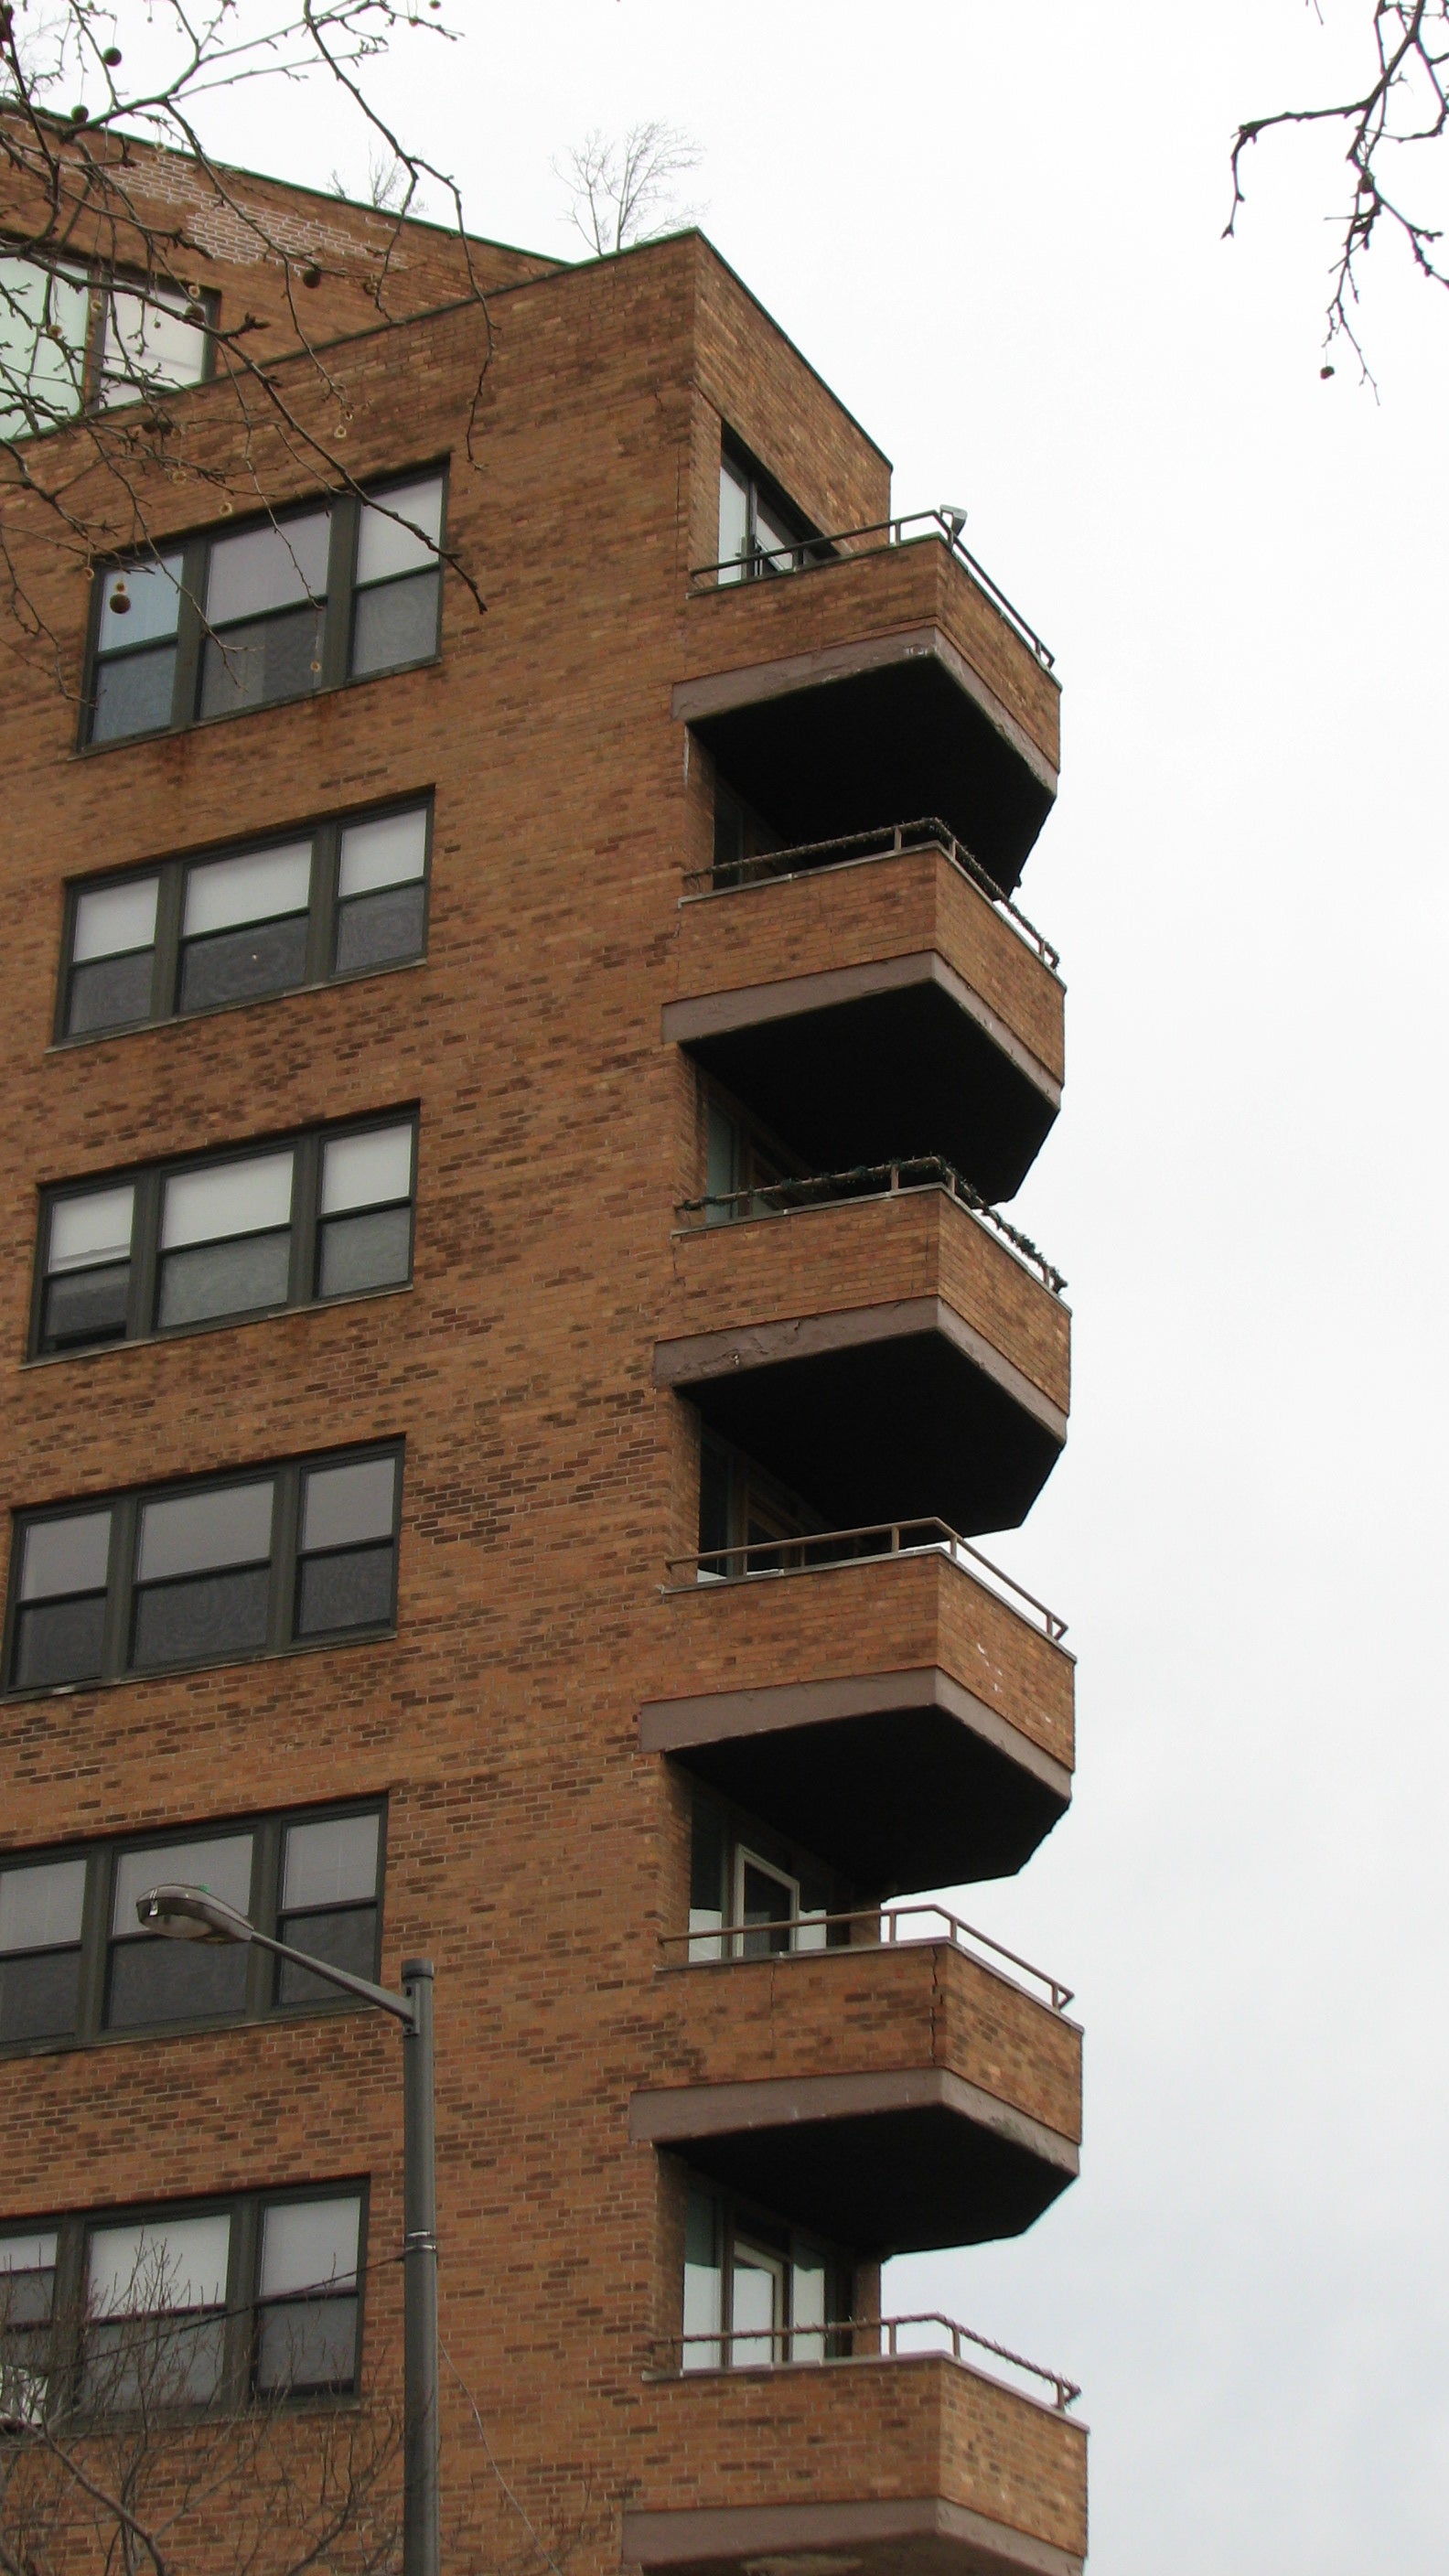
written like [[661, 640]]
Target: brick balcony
[[899, 2096], [888, 1357], [887, 1001], [909, 2467], [894, 1714], [883, 683]]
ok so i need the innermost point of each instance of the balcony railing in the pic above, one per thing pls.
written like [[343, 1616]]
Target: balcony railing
[[844, 545], [858, 849], [813, 1550], [820, 2347], [865, 1181], [805, 1936]]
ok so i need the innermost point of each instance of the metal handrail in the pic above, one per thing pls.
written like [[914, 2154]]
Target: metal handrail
[[811, 551], [852, 849], [1065, 2391], [886, 1923], [826, 1189], [890, 1538]]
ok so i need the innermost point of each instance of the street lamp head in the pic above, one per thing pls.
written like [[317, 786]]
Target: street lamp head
[[191, 1914]]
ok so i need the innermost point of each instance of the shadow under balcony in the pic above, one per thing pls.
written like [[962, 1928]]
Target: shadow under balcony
[[906, 2464], [897, 2095], [903, 1710], [895, 1355], [880, 990], [886, 679]]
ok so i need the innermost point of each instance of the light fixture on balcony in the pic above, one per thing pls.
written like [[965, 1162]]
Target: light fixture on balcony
[[955, 519]]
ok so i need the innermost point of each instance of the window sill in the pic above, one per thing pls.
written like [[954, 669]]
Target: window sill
[[148, 2033], [226, 1010], [93, 1351], [271, 707], [341, 1641]]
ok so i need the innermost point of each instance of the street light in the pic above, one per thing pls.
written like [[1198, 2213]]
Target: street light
[[193, 1914]]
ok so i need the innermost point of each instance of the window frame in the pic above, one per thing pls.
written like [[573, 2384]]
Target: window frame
[[760, 489], [99, 282], [326, 836], [738, 2219], [283, 1568], [192, 631], [263, 2001], [148, 1181], [243, 2302]]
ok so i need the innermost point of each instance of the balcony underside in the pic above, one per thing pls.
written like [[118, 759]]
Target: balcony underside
[[903, 1779], [843, 741], [912, 2536], [882, 1413], [893, 2161], [877, 1061]]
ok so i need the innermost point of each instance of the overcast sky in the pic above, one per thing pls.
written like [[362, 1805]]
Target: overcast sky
[[995, 231]]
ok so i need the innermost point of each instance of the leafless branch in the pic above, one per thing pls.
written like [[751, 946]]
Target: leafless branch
[[1403, 103], [623, 191]]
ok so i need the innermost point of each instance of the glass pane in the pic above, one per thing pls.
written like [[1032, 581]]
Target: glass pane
[[396, 624], [59, 1641], [133, 695], [33, 2253], [362, 1171], [115, 918], [170, 2263], [258, 886], [341, 1505], [86, 1306], [388, 851], [351, 1591], [386, 544], [65, 1556], [93, 1228], [309, 2245], [242, 965], [703, 2284], [227, 1198], [44, 319], [773, 536], [345, 1938], [109, 994], [222, 1864], [330, 1862], [154, 591], [147, 346], [767, 1905], [40, 1996], [159, 1980], [40, 1906], [358, 1252], [174, 2362], [206, 1616], [224, 1279], [307, 2343], [228, 1525], [257, 665], [807, 2307], [267, 568], [758, 2283], [734, 513], [380, 930]]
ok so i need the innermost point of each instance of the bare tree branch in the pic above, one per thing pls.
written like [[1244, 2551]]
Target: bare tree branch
[[623, 191], [1403, 104]]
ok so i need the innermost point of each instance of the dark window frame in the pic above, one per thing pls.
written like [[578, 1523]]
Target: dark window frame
[[325, 833], [761, 488], [242, 2310], [305, 1228], [344, 511], [263, 2000], [737, 2216], [284, 1565]]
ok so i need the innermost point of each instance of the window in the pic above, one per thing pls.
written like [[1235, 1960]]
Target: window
[[755, 2293], [742, 1506], [340, 899], [176, 2309], [743, 1163], [759, 530], [205, 1574], [68, 340], [300, 602], [75, 1962], [27, 2309], [754, 1896], [329, 1215]]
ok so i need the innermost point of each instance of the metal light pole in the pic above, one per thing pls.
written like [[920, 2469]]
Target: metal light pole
[[192, 1914]]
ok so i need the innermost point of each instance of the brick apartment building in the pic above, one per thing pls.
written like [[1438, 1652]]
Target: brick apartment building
[[500, 1334]]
